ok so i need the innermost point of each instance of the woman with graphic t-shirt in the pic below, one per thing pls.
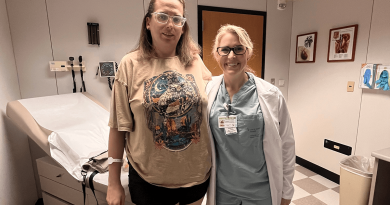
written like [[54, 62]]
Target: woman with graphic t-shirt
[[158, 114]]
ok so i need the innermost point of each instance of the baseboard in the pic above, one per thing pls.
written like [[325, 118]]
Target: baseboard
[[319, 170]]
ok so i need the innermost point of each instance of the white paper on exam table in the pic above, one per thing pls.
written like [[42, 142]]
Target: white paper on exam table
[[80, 129]]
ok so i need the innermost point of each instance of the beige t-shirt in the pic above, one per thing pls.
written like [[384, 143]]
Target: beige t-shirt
[[162, 106]]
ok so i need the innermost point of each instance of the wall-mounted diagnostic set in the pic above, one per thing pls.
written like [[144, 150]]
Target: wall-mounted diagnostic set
[[64, 66], [107, 70]]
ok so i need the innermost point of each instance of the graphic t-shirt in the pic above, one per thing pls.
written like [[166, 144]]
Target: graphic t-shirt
[[162, 106]]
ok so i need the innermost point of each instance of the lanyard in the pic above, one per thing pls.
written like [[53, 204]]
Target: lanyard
[[228, 108]]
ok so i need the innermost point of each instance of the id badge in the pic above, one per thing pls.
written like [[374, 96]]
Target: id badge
[[227, 121], [230, 130]]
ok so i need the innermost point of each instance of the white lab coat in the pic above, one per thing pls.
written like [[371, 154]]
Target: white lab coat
[[278, 140]]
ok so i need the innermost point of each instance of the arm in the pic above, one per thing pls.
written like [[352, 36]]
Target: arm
[[120, 122], [115, 191], [288, 150]]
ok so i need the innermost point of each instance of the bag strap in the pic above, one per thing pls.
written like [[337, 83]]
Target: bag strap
[[90, 183], [84, 174]]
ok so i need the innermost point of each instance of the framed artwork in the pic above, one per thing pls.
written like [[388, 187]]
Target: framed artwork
[[342, 43], [306, 48]]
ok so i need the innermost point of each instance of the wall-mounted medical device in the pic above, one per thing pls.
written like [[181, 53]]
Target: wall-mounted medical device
[[65, 66], [72, 66], [93, 34], [108, 69]]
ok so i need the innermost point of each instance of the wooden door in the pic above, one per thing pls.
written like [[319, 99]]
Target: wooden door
[[212, 20]]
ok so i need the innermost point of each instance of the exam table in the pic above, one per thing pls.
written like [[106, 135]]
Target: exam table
[[58, 185]]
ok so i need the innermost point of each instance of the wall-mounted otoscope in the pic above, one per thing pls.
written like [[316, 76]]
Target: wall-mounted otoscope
[[81, 72], [74, 82]]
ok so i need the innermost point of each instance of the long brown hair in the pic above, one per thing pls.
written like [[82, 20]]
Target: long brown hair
[[186, 48]]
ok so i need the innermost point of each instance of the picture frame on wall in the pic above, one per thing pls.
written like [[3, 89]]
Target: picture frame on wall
[[342, 43], [306, 48]]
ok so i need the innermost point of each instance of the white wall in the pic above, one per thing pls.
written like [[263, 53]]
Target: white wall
[[373, 132], [17, 179], [54, 34], [31, 42], [319, 104], [277, 50], [119, 24]]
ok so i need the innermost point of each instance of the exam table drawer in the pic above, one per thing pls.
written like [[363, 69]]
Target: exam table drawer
[[61, 191], [52, 200], [48, 168], [56, 181]]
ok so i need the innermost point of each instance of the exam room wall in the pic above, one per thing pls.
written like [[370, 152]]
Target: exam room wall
[[17, 181], [373, 130], [56, 35], [319, 105]]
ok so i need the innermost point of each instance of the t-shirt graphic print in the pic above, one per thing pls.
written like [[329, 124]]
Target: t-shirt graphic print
[[173, 110]]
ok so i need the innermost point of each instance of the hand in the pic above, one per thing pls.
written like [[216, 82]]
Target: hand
[[285, 201], [115, 195], [383, 82]]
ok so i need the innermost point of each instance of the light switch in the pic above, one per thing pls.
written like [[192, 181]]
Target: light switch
[[281, 83], [350, 86], [273, 81]]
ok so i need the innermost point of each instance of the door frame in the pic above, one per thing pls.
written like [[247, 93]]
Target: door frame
[[237, 11]]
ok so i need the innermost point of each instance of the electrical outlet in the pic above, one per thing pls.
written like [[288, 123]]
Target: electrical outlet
[[350, 86], [281, 83], [273, 81]]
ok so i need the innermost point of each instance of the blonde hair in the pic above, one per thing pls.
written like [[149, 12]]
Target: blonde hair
[[186, 49], [243, 37]]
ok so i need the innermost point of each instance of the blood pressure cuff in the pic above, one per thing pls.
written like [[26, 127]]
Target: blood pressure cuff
[[98, 163]]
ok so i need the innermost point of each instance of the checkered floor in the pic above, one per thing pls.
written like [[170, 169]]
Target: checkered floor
[[312, 189]]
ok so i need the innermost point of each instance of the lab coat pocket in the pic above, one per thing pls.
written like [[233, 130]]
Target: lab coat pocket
[[250, 129]]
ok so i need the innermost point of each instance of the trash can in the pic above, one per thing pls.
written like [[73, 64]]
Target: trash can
[[355, 180]]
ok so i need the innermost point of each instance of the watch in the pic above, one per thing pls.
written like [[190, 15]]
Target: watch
[[111, 160]]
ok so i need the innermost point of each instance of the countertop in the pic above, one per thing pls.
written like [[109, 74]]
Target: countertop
[[383, 154]]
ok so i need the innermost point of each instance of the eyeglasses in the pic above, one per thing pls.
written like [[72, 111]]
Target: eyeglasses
[[163, 18], [238, 50]]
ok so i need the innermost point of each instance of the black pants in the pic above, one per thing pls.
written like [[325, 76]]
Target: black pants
[[144, 193]]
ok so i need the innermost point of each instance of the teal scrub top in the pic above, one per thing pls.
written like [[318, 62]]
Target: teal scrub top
[[241, 166]]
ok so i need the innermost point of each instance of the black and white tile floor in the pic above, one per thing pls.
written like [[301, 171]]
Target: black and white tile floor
[[313, 189]]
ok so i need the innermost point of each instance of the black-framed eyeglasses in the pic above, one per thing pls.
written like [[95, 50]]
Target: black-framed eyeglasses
[[163, 18], [238, 50]]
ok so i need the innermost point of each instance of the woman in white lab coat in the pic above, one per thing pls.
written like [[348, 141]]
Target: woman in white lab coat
[[254, 153]]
